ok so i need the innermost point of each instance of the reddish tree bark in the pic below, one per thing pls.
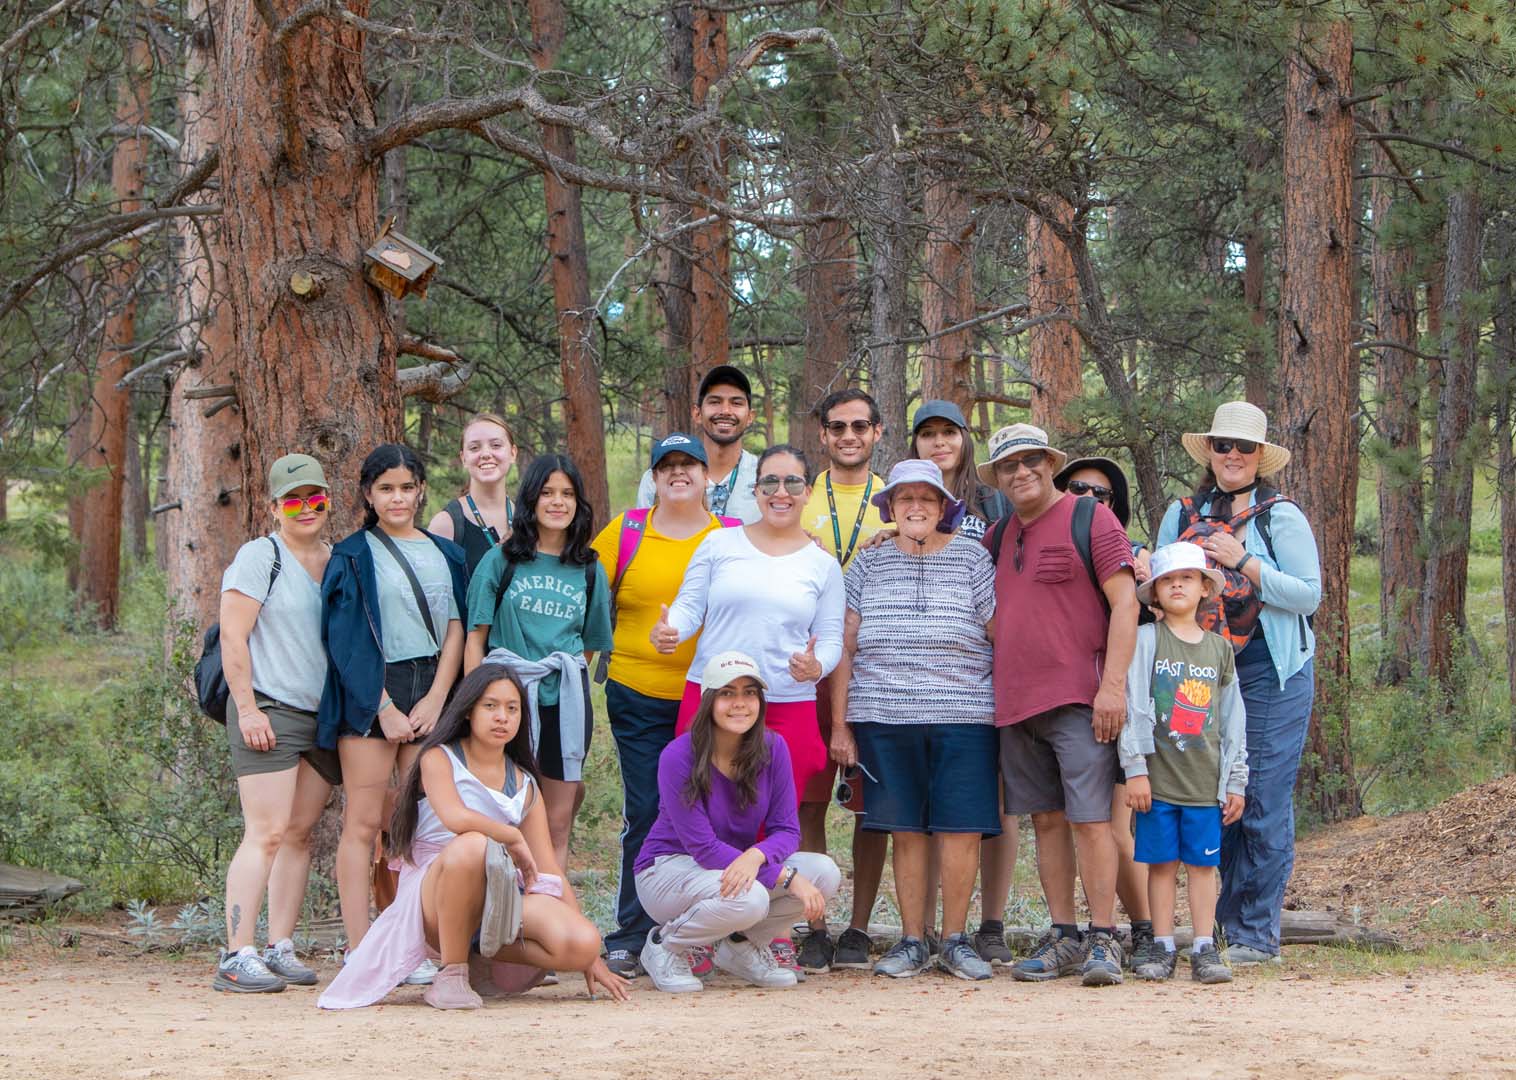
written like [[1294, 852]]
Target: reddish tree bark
[[947, 295], [583, 417], [314, 373], [1399, 482], [100, 552], [826, 278], [1053, 349], [1443, 615], [204, 467], [710, 245], [1318, 374]]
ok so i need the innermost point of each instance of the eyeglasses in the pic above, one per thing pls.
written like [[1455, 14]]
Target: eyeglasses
[[1018, 558], [1102, 494], [1032, 462], [1224, 446], [294, 505], [769, 485], [840, 427]]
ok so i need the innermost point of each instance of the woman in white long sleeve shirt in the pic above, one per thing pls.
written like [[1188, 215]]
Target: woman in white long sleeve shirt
[[767, 590]]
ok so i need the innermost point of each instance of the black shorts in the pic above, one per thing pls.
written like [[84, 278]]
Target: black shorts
[[550, 738], [406, 682]]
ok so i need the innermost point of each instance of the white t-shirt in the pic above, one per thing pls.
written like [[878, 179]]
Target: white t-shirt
[[289, 661], [767, 606], [734, 498]]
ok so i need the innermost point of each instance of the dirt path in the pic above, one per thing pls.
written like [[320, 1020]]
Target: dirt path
[[134, 1020]]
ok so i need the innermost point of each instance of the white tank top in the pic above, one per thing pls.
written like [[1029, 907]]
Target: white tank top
[[509, 806]]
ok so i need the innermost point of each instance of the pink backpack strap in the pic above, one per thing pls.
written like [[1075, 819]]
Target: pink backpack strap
[[729, 522], [633, 525]]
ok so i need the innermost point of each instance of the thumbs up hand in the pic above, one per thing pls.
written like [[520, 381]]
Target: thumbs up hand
[[804, 667], [664, 637]]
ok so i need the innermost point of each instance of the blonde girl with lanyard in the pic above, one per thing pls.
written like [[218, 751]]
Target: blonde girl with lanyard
[[480, 518]]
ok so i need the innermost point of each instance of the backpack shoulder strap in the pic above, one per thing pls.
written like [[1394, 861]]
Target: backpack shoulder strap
[[633, 525], [589, 582], [1079, 530], [273, 571], [506, 578], [729, 522], [997, 537], [455, 514]]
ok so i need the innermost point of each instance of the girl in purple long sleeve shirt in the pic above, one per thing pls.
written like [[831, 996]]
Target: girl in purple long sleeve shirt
[[703, 872]]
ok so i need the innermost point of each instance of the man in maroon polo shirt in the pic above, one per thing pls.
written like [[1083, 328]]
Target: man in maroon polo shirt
[[1062, 647]]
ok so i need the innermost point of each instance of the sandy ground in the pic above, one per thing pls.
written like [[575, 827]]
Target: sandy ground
[[147, 1018]]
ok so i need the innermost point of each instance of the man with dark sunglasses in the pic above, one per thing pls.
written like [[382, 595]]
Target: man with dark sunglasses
[[722, 413], [1062, 646], [841, 516]]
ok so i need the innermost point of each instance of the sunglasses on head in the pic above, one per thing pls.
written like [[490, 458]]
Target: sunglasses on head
[[1224, 446], [294, 505], [769, 485], [1102, 494], [840, 427], [1032, 462]]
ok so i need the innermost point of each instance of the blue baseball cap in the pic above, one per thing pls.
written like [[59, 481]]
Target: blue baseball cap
[[679, 442], [938, 410]]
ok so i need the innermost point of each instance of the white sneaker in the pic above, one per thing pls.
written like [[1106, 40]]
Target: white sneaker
[[669, 969], [425, 972], [755, 963]]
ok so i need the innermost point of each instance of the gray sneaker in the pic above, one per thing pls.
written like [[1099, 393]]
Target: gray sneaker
[[1246, 956], [1054, 955], [625, 963], [958, 957], [1152, 962], [852, 952], [280, 958], [243, 972], [1102, 963], [909, 957], [1207, 966], [989, 943]]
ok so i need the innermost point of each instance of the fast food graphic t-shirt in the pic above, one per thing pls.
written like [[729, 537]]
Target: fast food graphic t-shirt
[[1187, 679]]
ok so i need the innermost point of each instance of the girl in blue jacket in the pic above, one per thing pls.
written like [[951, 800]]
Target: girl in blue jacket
[[394, 640]]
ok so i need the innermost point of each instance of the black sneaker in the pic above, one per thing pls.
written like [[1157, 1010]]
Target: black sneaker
[[1141, 937], [933, 943], [1102, 963], [1152, 962], [1207, 966], [625, 963], [853, 950], [816, 952], [989, 943]]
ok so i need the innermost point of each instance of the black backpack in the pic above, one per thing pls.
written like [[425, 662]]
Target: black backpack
[[211, 691]]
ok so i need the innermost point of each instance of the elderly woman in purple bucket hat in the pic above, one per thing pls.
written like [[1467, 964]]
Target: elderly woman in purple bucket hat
[[914, 689]]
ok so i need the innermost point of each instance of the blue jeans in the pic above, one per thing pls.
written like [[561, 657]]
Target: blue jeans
[[642, 726], [1258, 852]]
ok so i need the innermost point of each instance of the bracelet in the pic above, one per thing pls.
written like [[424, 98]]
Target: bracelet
[[385, 700], [789, 878], [1246, 555]]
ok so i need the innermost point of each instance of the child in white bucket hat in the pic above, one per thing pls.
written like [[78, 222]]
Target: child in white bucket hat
[[1183, 749]]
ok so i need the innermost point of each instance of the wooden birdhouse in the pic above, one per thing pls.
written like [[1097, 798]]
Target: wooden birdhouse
[[399, 265]]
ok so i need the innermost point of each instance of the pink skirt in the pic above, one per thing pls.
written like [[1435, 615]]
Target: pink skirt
[[792, 721], [396, 944]]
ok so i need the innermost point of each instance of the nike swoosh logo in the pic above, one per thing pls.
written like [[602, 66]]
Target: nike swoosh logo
[[296, 468], [1212, 850]]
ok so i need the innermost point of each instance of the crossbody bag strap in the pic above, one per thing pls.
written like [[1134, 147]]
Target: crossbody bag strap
[[410, 575], [273, 571]]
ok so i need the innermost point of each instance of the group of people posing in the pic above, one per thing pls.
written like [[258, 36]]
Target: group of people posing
[[963, 643]]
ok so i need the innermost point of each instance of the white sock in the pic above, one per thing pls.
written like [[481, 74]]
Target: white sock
[[1166, 942], [1202, 942], [283, 945]]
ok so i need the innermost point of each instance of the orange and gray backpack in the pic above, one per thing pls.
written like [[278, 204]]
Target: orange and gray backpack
[[1233, 614]]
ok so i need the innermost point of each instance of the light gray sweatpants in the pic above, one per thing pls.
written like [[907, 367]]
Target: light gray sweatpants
[[687, 903]]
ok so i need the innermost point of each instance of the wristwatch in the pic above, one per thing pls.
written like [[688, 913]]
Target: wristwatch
[[788, 878]]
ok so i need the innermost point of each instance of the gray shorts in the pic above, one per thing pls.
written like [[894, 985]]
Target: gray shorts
[[1051, 761], [294, 738]]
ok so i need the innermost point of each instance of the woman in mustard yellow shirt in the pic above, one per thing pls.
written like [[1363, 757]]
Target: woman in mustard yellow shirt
[[645, 553]]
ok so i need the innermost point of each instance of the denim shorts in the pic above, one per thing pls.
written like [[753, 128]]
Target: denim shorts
[[1188, 834], [406, 682], [929, 778]]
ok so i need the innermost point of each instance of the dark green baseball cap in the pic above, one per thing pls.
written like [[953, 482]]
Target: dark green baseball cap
[[295, 471]]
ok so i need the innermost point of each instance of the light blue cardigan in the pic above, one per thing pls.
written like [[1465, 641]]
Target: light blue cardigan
[[1291, 586]]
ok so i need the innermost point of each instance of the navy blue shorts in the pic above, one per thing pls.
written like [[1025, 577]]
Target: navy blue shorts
[[929, 778], [1187, 834]]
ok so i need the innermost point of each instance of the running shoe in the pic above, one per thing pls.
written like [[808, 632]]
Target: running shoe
[[816, 952], [625, 963], [244, 972], [1207, 966], [853, 949], [959, 957], [908, 957], [280, 958], [1054, 956], [700, 961], [668, 968], [1102, 962], [989, 943], [425, 972], [1151, 962], [752, 962], [786, 957]]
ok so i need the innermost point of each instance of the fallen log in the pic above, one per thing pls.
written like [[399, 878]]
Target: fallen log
[[26, 891]]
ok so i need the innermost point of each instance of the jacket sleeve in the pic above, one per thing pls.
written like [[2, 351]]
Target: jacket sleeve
[[1168, 528], [781, 825], [1295, 584], [1234, 727], [1136, 739]]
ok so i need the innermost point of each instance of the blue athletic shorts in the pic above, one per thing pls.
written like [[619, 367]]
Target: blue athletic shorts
[[929, 778], [1187, 834]]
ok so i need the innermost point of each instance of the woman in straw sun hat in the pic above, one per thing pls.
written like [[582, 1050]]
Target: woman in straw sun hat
[[1263, 545]]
